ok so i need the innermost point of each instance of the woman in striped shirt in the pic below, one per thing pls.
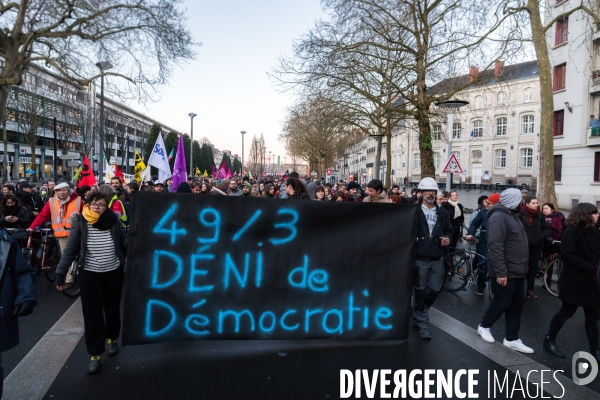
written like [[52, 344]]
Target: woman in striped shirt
[[99, 239]]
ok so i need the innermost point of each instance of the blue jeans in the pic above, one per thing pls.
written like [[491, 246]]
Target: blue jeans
[[483, 276]]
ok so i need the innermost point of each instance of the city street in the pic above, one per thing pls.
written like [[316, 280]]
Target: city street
[[53, 360]]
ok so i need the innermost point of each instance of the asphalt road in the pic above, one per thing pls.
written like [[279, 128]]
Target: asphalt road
[[51, 306]]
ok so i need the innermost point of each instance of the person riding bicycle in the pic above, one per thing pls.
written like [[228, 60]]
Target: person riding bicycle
[[14, 215], [58, 210], [434, 233]]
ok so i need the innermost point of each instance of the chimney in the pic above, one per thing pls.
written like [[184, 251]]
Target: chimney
[[473, 73], [498, 69]]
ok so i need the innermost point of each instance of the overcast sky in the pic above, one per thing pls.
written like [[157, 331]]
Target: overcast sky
[[227, 85]]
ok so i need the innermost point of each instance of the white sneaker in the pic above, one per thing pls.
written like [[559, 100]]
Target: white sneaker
[[518, 345], [485, 334]]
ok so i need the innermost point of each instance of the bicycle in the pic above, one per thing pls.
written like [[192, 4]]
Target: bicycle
[[548, 264], [43, 255], [459, 270]]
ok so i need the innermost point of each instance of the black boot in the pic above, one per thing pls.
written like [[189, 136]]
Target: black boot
[[551, 347]]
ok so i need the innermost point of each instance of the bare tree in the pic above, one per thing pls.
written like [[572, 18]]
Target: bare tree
[[312, 131], [28, 111], [527, 15], [389, 52], [143, 38]]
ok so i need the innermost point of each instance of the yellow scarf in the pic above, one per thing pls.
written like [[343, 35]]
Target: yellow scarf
[[90, 216]]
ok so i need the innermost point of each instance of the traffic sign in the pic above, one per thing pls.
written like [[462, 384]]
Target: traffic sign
[[328, 171], [453, 166]]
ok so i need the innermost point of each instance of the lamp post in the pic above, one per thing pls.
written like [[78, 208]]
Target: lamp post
[[192, 115], [103, 65], [243, 133], [452, 106], [269, 167]]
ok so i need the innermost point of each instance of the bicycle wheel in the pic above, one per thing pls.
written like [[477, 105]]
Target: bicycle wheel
[[75, 289], [552, 276], [458, 269], [50, 260]]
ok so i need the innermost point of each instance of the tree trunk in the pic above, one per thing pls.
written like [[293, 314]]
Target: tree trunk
[[4, 92], [425, 147], [33, 145], [546, 190], [388, 154], [378, 155]]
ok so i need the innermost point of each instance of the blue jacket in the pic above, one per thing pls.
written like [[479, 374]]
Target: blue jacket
[[17, 286], [480, 221], [429, 247]]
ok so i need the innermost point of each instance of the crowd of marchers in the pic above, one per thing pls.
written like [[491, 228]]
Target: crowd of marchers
[[511, 229]]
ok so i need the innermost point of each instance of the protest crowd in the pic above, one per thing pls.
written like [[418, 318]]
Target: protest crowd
[[513, 230]]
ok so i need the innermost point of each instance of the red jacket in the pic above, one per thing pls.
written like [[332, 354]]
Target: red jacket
[[46, 214]]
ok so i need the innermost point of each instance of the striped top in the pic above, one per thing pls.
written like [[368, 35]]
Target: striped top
[[100, 254]]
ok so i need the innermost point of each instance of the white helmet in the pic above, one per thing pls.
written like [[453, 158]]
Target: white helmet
[[428, 184]]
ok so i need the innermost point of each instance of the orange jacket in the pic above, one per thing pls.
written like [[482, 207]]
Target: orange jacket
[[50, 213]]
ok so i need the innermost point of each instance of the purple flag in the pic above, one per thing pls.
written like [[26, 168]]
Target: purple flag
[[179, 170], [228, 173], [222, 173], [214, 172]]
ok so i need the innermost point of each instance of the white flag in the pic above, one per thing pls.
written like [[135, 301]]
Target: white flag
[[108, 171], [145, 175], [158, 159]]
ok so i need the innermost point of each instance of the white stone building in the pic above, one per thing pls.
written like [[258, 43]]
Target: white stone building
[[574, 49], [495, 138]]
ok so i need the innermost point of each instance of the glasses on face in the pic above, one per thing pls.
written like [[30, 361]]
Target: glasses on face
[[98, 205]]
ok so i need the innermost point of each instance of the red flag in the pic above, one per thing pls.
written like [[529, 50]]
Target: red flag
[[119, 173], [86, 177]]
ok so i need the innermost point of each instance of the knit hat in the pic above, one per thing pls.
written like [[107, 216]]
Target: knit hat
[[222, 184], [481, 199], [353, 185], [249, 186], [494, 198], [63, 185], [511, 198]]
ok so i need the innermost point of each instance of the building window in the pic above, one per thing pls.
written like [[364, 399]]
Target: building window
[[526, 158], [456, 130], [597, 166], [477, 128], [560, 74], [527, 95], [501, 126], [559, 120], [557, 168], [528, 124], [457, 155], [562, 31], [477, 154], [417, 161], [437, 132], [501, 98], [436, 159], [478, 102], [500, 158]]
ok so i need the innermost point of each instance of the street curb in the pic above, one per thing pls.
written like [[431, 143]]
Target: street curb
[[36, 372], [509, 359]]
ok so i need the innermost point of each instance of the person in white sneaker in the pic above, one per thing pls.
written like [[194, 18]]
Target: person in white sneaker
[[508, 252]]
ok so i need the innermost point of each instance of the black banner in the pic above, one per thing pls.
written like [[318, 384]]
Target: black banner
[[216, 267]]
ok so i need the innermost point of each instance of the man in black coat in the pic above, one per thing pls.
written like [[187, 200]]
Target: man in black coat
[[508, 251], [433, 235], [17, 294]]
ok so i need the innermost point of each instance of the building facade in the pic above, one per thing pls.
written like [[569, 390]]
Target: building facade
[[495, 138], [574, 50], [46, 109]]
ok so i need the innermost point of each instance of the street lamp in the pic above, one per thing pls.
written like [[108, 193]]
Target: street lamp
[[192, 115], [269, 168], [452, 106], [103, 65], [243, 133]]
